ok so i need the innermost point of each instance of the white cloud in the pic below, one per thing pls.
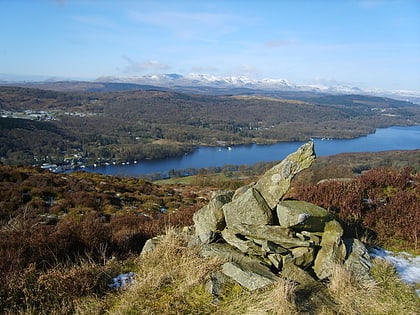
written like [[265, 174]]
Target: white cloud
[[145, 66]]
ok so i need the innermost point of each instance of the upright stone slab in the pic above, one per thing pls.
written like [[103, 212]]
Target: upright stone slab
[[210, 220], [358, 259], [333, 250], [276, 181], [248, 208]]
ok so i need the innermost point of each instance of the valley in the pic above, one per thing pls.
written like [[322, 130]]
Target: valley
[[69, 127]]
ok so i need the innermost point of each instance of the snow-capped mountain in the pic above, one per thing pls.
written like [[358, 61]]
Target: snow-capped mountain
[[208, 81], [197, 79]]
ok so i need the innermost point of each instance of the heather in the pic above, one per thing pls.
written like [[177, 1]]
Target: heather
[[65, 236]]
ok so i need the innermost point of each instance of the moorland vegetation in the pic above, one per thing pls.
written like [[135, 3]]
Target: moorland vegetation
[[63, 237]]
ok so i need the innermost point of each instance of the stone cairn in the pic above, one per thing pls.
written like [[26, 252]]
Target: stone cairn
[[261, 237]]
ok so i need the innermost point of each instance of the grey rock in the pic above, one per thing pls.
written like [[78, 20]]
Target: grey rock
[[276, 181], [215, 284], [276, 260], [210, 220], [247, 208], [303, 256], [244, 245], [302, 216], [273, 233], [228, 253], [265, 236], [151, 244], [248, 278], [358, 260], [250, 272], [273, 248], [333, 250], [312, 236]]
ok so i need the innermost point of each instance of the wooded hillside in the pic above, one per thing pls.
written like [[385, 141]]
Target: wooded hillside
[[126, 125]]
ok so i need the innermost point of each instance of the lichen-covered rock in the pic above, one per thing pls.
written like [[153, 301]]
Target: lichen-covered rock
[[273, 233], [215, 284], [244, 245], [276, 260], [210, 220], [302, 216], [272, 248], [223, 251], [248, 278], [249, 271], [276, 181], [303, 256], [358, 260], [333, 250], [258, 236], [248, 208]]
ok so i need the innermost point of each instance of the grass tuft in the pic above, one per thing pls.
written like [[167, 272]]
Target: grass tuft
[[384, 294]]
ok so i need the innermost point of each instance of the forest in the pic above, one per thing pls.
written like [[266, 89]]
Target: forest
[[91, 127]]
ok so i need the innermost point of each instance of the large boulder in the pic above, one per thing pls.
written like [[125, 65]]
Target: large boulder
[[249, 207], [210, 220], [302, 216], [276, 181]]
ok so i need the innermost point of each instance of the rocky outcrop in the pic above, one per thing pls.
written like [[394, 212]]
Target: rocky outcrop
[[261, 237], [276, 181]]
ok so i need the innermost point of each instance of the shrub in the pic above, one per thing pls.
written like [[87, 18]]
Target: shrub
[[382, 200], [56, 290]]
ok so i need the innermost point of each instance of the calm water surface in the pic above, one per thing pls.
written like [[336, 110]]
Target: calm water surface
[[392, 138]]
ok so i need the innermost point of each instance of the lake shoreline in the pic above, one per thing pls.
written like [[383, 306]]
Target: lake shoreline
[[384, 139]]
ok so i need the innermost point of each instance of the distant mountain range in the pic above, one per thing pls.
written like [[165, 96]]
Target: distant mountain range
[[205, 84]]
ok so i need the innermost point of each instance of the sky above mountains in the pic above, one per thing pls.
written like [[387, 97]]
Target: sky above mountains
[[366, 43]]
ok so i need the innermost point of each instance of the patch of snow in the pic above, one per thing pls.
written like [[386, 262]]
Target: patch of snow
[[406, 265], [122, 280]]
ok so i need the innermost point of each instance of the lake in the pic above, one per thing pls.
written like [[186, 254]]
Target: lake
[[384, 139]]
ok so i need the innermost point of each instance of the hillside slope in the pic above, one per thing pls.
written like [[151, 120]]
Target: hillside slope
[[126, 125]]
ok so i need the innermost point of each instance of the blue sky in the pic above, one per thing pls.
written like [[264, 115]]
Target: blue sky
[[366, 43]]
